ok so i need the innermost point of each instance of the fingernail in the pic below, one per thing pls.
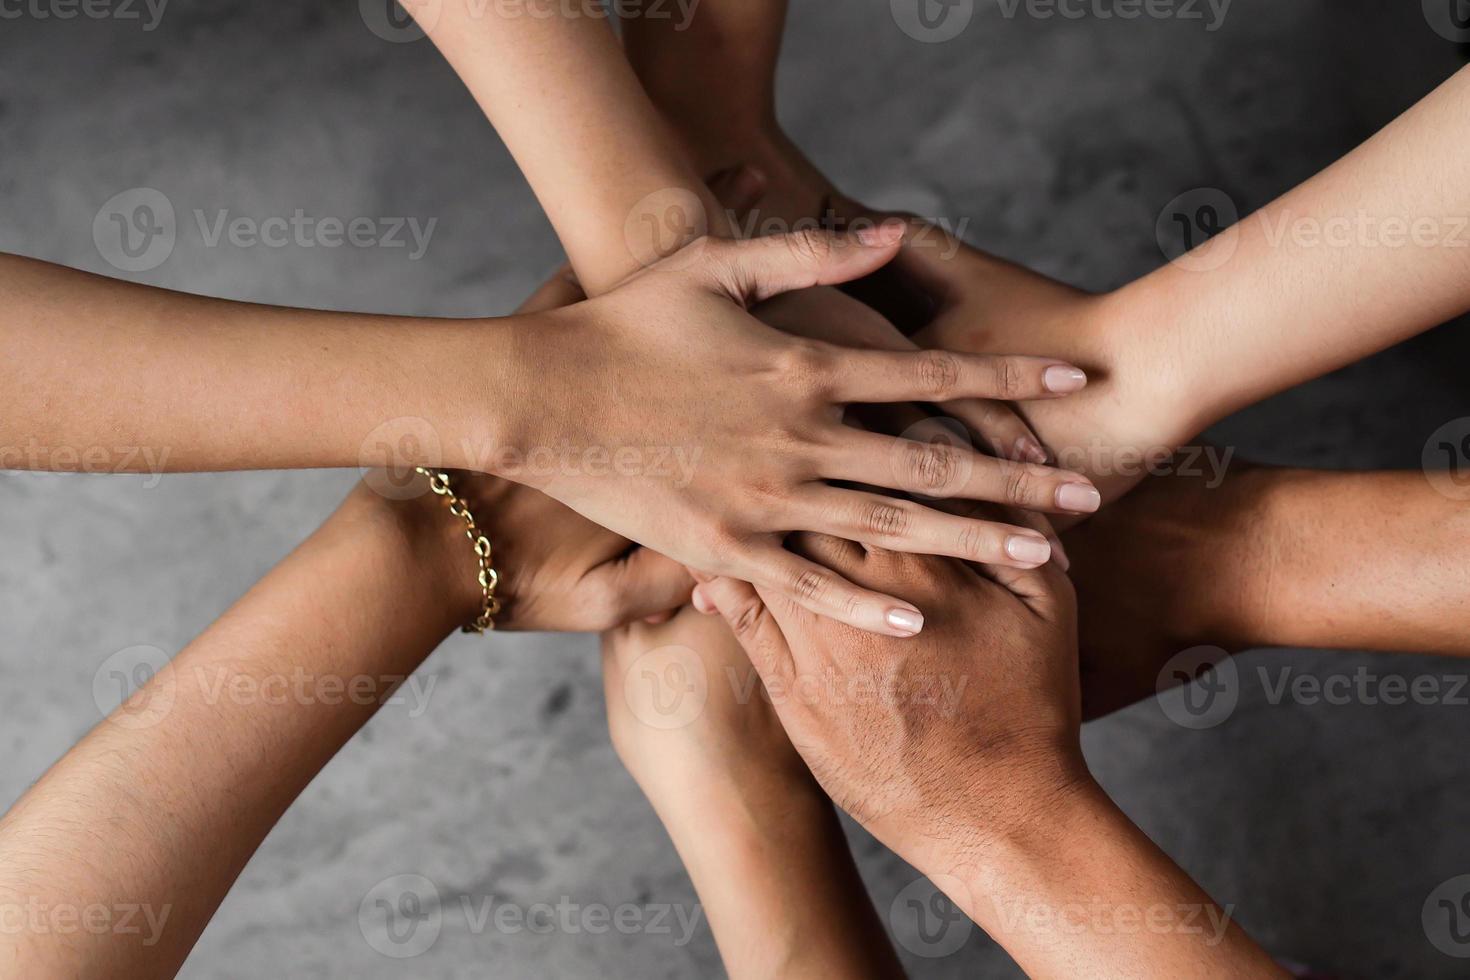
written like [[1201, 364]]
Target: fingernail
[[701, 601], [1028, 550], [1079, 498], [906, 621], [750, 181], [1030, 450], [883, 235], [1063, 378]]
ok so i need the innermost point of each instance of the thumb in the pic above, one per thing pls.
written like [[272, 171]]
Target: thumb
[[758, 269], [643, 583], [752, 624]]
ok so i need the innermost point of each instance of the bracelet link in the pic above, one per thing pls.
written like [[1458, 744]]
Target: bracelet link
[[488, 577]]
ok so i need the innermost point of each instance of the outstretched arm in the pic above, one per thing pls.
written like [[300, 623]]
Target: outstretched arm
[[1258, 557], [164, 802]]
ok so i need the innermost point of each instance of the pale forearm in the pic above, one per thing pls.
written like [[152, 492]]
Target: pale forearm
[[777, 881], [1371, 251], [108, 376], [163, 803], [610, 174]]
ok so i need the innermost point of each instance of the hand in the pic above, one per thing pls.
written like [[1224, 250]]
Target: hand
[[729, 453], [938, 743], [1129, 414]]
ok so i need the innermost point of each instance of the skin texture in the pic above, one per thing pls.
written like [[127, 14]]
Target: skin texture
[[630, 371], [164, 802], [985, 791], [1268, 558], [759, 837]]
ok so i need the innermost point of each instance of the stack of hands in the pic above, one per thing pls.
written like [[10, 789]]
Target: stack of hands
[[868, 435]]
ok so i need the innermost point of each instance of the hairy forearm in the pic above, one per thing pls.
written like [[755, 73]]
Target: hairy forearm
[[609, 172], [162, 804], [1367, 253], [108, 376], [1081, 891]]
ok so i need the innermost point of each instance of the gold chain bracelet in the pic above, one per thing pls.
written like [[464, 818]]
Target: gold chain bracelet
[[488, 578]]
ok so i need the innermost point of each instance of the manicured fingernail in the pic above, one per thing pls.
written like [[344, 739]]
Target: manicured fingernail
[[1062, 378], [1028, 550], [1079, 498], [1029, 450], [905, 621], [883, 235]]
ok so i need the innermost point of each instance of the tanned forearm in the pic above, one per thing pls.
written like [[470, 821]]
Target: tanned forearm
[[163, 803]]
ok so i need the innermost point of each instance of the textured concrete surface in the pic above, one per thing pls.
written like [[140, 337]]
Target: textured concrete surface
[[1059, 140]]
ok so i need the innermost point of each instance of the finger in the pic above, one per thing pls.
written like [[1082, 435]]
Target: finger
[[752, 624], [562, 289], [755, 270], [824, 592], [941, 376], [902, 525], [1046, 589], [936, 469], [739, 188], [1039, 523], [641, 584], [1000, 427]]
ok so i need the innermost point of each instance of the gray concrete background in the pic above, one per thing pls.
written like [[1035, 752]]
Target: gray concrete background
[[1059, 140]]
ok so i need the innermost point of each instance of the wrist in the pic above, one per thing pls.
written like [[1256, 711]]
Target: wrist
[[431, 542]]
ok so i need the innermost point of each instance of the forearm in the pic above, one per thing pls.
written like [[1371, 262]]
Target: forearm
[[771, 865], [105, 375], [737, 42], [163, 803], [1371, 251], [1361, 561], [1080, 891], [610, 174]]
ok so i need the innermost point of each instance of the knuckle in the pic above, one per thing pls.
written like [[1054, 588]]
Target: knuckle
[[939, 374], [805, 366], [1007, 378], [1020, 485], [810, 245], [602, 605], [810, 585], [933, 467], [745, 619], [974, 541], [884, 520]]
